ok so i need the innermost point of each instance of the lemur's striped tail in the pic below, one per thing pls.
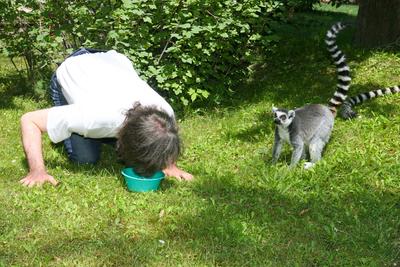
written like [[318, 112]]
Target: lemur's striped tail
[[347, 112], [343, 70]]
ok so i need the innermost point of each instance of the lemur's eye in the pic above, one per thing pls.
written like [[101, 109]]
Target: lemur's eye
[[282, 117]]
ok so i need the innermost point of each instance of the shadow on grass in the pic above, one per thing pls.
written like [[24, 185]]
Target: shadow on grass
[[263, 122], [108, 164], [236, 226], [373, 106], [262, 125], [300, 70], [106, 249], [57, 161], [267, 227], [13, 86]]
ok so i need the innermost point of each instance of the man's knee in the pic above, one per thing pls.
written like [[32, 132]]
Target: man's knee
[[83, 150], [85, 158]]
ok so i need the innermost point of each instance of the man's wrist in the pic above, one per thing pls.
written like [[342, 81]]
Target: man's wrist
[[37, 169]]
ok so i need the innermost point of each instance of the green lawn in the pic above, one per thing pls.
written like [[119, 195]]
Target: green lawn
[[240, 210]]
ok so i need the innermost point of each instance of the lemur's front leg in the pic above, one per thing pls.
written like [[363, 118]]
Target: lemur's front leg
[[276, 150]]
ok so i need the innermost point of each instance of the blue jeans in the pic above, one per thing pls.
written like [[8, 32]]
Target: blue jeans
[[79, 149]]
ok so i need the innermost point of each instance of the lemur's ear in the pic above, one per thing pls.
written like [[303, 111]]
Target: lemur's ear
[[274, 109], [291, 114]]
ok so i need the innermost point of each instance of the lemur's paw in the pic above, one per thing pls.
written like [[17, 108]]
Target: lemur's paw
[[308, 165]]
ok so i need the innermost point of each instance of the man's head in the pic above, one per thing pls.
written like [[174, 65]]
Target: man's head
[[148, 140]]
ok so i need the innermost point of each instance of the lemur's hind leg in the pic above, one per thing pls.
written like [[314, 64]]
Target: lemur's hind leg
[[315, 149], [298, 147], [304, 154]]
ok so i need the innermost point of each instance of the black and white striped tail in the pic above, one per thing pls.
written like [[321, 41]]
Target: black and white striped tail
[[347, 111], [343, 70]]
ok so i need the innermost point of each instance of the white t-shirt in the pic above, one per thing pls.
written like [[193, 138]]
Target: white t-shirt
[[99, 89]]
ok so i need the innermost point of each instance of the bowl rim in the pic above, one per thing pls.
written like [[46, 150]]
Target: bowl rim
[[127, 176]]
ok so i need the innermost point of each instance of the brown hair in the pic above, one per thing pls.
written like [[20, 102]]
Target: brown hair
[[148, 140]]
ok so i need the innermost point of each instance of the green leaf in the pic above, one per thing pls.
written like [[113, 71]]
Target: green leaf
[[177, 36], [254, 37], [224, 35], [196, 29], [59, 39], [184, 101], [112, 35], [147, 19], [185, 26], [127, 4], [204, 93], [153, 70]]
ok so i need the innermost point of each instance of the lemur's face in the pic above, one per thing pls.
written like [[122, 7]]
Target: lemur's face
[[283, 117]]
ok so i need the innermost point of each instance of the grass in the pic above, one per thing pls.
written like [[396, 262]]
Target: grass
[[240, 210]]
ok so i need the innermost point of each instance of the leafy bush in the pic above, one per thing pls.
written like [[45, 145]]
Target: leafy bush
[[187, 49], [304, 5]]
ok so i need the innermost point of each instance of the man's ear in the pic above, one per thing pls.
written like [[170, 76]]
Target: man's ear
[[274, 109], [291, 114]]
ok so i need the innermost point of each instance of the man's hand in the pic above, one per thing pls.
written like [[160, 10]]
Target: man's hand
[[33, 124], [179, 174], [38, 178]]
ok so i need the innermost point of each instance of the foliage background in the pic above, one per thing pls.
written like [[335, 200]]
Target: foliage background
[[186, 49], [240, 210]]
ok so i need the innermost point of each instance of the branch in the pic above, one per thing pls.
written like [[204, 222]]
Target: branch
[[165, 48], [15, 66], [212, 15]]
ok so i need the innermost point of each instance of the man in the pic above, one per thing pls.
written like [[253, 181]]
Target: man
[[98, 96]]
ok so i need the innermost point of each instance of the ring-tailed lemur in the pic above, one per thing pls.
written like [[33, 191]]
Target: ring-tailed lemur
[[311, 126], [347, 111]]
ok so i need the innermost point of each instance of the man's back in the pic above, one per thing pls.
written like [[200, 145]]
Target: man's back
[[99, 89]]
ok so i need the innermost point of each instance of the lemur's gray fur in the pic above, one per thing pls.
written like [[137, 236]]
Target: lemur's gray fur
[[311, 126]]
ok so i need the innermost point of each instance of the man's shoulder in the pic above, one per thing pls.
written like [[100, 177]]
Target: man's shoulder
[[110, 55]]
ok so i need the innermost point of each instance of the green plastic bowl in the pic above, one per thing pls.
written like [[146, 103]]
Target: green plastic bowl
[[137, 183]]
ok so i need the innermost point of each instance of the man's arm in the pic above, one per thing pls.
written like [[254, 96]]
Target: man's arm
[[179, 174], [32, 125]]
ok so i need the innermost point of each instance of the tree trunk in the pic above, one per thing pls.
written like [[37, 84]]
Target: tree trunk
[[378, 22]]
